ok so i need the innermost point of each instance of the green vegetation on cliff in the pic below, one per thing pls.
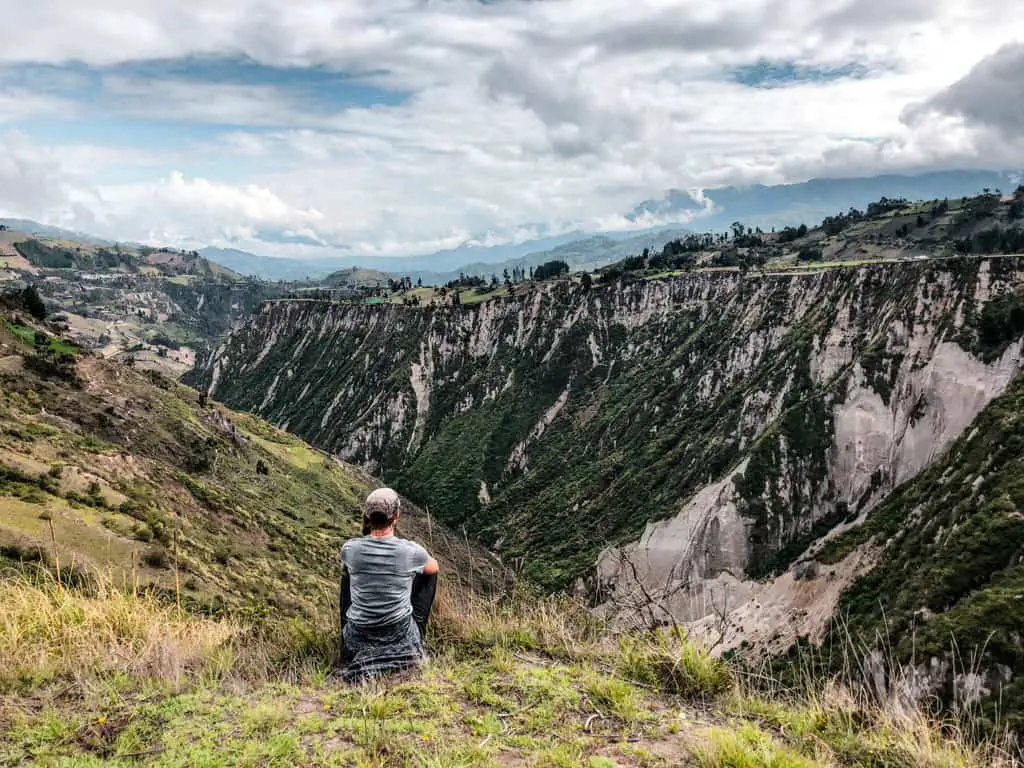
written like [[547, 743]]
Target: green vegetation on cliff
[[560, 421], [949, 581]]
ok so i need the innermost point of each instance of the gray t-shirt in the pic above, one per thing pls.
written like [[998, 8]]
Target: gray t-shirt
[[381, 571]]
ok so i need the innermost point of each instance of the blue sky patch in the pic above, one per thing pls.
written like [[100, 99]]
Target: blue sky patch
[[322, 90], [779, 74], [318, 86]]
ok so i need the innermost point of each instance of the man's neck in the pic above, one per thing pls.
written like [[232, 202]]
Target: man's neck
[[383, 534]]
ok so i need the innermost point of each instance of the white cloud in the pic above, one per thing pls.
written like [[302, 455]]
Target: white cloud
[[181, 211], [32, 180], [991, 95], [546, 115]]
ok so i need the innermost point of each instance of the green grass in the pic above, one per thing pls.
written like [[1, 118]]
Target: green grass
[[746, 746], [54, 344], [23, 332], [120, 676]]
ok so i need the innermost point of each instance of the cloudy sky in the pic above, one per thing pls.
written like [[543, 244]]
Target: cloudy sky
[[401, 126]]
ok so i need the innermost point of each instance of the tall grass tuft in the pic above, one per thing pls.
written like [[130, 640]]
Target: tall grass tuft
[[49, 631], [556, 626], [667, 661]]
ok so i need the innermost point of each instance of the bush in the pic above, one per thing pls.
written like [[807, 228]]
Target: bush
[[1001, 322], [157, 558], [809, 254], [48, 367], [33, 302], [550, 270], [669, 662]]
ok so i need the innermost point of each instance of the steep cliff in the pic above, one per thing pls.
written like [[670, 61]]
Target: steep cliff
[[719, 422], [944, 600]]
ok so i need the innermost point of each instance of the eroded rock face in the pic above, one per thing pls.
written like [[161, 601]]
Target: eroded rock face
[[889, 415], [701, 432]]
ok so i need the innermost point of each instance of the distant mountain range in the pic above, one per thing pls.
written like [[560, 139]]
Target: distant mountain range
[[582, 252], [713, 209], [30, 227], [810, 201], [273, 268]]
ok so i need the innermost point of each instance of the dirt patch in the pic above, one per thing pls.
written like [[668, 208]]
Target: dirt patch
[[11, 364]]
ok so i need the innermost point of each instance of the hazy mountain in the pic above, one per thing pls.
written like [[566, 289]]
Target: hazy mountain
[[583, 253], [810, 201], [271, 267], [757, 205], [30, 227]]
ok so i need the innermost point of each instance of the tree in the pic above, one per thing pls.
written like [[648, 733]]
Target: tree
[[33, 302], [586, 281], [809, 254], [551, 269]]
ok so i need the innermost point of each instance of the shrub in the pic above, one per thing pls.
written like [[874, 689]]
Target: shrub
[[33, 302], [157, 558], [550, 270], [1001, 322], [669, 662]]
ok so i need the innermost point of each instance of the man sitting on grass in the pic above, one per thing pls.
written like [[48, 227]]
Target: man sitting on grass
[[387, 590]]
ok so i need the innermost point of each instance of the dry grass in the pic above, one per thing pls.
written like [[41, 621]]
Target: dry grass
[[48, 631], [526, 657], [555, 626], [839, 727]]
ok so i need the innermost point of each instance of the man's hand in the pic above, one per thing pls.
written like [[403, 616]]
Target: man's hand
[[431, 567]]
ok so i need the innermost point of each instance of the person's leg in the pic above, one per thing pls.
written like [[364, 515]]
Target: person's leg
[[345, 600], [424, 587]]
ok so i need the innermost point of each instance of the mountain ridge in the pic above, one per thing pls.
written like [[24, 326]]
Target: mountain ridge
[[709, 209]]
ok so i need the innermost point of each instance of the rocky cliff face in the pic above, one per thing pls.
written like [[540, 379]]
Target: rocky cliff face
[[709, 427]]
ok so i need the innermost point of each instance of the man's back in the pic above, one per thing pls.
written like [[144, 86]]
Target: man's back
[[381, 570]]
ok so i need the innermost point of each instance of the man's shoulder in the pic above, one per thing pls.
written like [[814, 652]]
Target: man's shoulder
[[410, 546], [407, 543], [353, 545]]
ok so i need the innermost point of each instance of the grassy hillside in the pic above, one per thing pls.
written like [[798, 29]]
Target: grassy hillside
[[100, 677], [152, 306], [887, 229], [105, 468], [56, 254]]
